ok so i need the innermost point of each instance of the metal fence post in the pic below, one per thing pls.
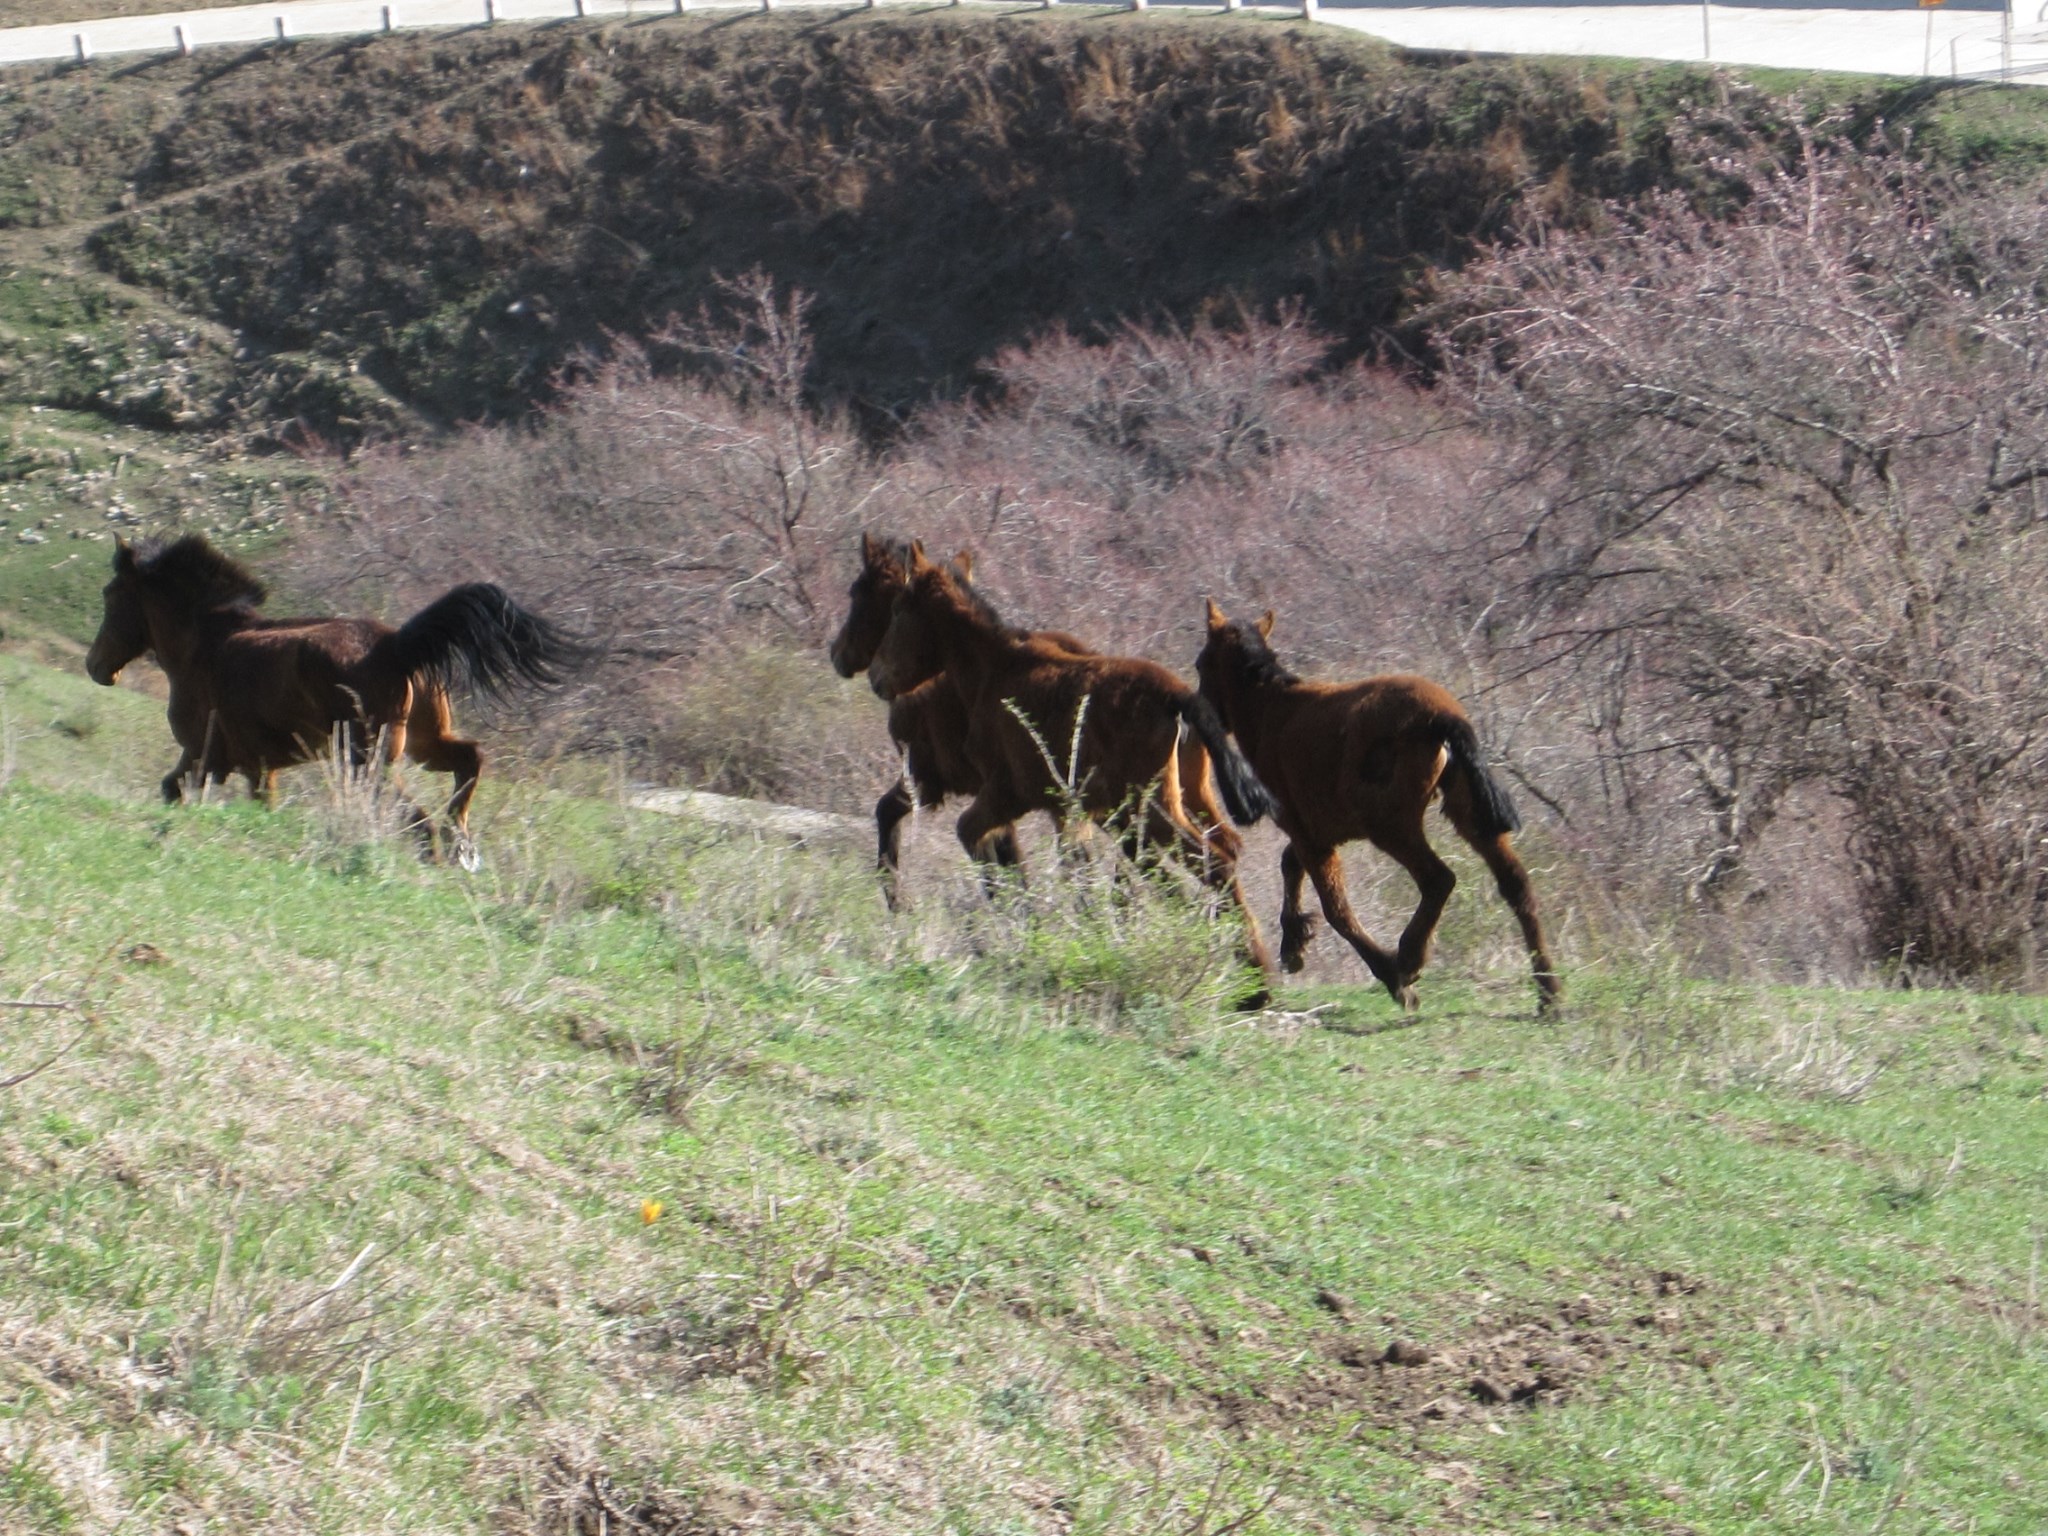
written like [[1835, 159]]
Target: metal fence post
[[1309, 9], [81, 47], [282, 36], [490, 12], [387, 18], [184, 42]]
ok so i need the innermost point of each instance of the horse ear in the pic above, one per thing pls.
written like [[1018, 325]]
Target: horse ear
[[1266, 626], [1217, 618], [918, 563], [870, 549], [965, 560], [124, 556]]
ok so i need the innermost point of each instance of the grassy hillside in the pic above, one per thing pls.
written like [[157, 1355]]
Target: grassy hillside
[[330, 1210], [376, 232]]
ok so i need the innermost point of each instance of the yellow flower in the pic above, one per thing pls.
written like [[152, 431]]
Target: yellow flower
[[650, 1212]]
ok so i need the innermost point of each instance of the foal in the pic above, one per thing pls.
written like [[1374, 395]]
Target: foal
[[928, 716], [252, 695], [1013, 683], [1363, 760]]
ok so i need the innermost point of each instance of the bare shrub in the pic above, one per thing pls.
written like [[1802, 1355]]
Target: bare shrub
[[1769, 518], [706, 523], [695, 523]]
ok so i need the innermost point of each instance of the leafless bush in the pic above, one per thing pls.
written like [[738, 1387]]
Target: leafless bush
[[686, 519], [1771, 519]]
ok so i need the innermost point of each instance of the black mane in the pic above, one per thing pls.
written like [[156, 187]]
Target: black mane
[[1261, 667], [196, 575]]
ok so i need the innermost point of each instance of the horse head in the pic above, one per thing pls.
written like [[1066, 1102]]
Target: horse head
[[889, 569], [884, 573], [912, 651], [124, 628], [1234, 655]]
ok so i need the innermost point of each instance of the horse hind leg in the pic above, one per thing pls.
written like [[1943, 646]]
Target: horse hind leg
[[1511, 879], [427, 737]]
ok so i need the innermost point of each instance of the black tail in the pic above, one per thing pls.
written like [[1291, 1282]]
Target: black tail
[[476, 637], [1497, 813], [1244, 796]]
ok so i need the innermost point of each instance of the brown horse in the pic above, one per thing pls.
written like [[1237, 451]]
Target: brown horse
[[252, 695], [1363, 760], [928, 717], [1025, 696]]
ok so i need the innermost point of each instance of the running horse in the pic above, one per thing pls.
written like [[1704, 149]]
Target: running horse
[[1023, 692], [928, 716], [251, 695], [1364, 759]]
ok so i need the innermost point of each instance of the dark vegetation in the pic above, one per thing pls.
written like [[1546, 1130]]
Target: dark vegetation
[[343, 237]]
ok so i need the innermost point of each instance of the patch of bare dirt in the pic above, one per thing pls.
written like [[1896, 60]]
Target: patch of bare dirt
[[1521, 1358], [1765, 1133], [578, 1497]]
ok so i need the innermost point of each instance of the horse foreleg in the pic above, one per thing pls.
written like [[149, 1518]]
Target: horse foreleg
[[1326, 873], [987, 830], [173, 786], [1434, 882], [1297, 927]]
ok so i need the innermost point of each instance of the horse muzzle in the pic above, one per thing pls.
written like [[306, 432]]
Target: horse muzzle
[[100, 672]]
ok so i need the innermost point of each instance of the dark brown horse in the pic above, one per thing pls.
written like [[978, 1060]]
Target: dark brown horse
[[928, 717], [1025, 696], [1347, 761], [252, 695]]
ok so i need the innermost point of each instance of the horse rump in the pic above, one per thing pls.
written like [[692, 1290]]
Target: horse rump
[[1497, 813], [477, 638]]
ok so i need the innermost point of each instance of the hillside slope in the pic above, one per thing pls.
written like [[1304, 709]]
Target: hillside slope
[[346, 234], [328, 1209]]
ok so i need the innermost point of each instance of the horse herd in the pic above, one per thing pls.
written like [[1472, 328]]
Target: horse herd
[[1018, 720]]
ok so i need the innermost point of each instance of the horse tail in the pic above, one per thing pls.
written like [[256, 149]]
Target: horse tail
[[476, 637], [1246, 799], [1497, 813]]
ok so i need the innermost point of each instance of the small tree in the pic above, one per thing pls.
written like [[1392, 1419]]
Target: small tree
[[1772, 500]]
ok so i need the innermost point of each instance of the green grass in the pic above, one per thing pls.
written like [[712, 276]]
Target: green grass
[[940, 1248]]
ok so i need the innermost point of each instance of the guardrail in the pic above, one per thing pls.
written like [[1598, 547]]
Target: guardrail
[[1562, 29], [181, 33]]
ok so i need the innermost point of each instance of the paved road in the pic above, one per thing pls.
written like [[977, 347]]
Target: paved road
[[1878, 42]]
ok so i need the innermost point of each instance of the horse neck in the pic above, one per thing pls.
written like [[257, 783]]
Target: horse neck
[[965, 643], [1251, 705], [178, 636]]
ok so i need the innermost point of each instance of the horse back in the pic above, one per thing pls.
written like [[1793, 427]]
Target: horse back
[[1129, 733], [1344, 759], [282, 685]]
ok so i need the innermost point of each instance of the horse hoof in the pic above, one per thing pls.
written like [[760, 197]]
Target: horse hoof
[[1254, 1001], [1405, 996], [466, 854]]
